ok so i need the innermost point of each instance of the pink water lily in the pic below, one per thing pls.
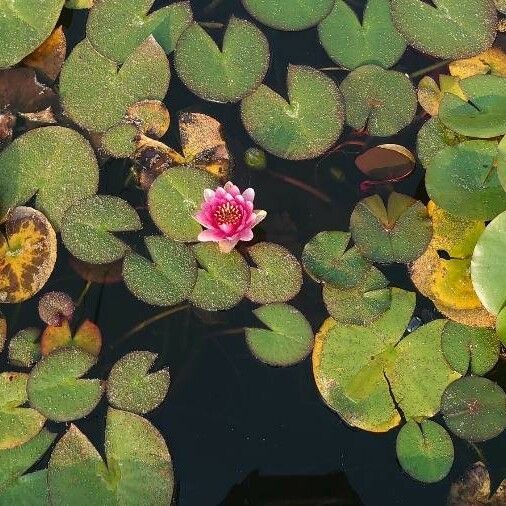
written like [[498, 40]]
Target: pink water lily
[[228, 216]]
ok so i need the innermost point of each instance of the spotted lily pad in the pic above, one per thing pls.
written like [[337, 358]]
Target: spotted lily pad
[[227, 74], [56, 388], [24, 348], [352, 43], [87, 338], [150, 116], [54, 163], [120, 140], [306, 125], [288, 339], [89, 226], [446, 28], [132, 387], [382, 101], [117, 27]]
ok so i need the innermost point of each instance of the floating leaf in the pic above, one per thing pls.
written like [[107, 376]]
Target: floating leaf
[[96, 93], [386, 162], [55, 308], [277, 276], [474, 408], [222, 280], [288, 339], [382, 101], [27, 490], [24, 348], [352, 43], [17, 424], [150, 116], [88, 338], [27, 254], [56, 389], [399, 232], [446, 28], [429, 95], [54, 163], [492, 61], [166, 281], [89, 226], [120, 140], [225, 75], [132, 387], [79, 4], [425, 451], [501, 5], [306, 125]]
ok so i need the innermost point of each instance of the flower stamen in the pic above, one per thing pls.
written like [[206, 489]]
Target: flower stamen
[[228, 214]]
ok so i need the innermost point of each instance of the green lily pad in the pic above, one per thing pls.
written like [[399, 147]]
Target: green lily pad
[[132, 387], [24, 26], [399, 232], [96, 93], [56, 389], [173, 199], [303, 127], [277, 276], [79, 4], [24, 350], [27, 490], [500, 326], [120, 140], [483, 115], [166, 281], [138, 471], [290, 16], [446, 28], [89, 226], [288, 339], [352, 43], [425, 451], [17, 424], [474, 408], [463, 180], [470, 349], [54, 163], [227, 74], [383, 101], [222, 280], [117, 27]]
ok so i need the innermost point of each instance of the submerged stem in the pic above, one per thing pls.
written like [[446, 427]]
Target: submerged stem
[[83, 293], [301, 185], [430, 68], [212, 25]]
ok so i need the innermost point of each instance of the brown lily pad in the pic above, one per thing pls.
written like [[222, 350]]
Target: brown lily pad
[[87, 338]]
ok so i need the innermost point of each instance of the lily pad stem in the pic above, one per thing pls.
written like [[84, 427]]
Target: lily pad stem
[[301, 185], [83, 293], [430, 68]]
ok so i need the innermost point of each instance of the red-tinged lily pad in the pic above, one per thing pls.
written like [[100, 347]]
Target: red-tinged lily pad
[[98, 273], [87, 338], [55, 308], [386, 162], [24, 348]]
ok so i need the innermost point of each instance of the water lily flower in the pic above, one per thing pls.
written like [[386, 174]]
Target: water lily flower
[[228, 216]]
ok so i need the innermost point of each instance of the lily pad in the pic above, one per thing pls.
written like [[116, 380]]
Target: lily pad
[[56, 308], [386, 162], [151, 117], [425, 451], [382, 101], [166, 281], [446, 28], [288, 339], [117, 27], [222, 280], [24, 348], [56, 389], [474, 408], [56, 164], [27, 490], [303, 127], [227, 74], [132, 387], [352, 43], [96, 93], [492, 61], [89, 226], [399, 232], [87, 338], [290, 16], [120, 140]]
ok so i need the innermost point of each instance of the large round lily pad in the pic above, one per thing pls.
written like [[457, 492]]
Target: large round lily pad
[[303, 127]]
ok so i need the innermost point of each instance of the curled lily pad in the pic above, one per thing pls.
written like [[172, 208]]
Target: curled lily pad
[[290, 16], [56, 388], [474, 408], [288, 339], [227, 74], [386, 162], [425, 451], [222, 280], [24, 348], [87, 338], [492, 61], [399, 232], [96, 93], [132, 387], [120, 140], [55, 308], [89, 226], [27, 254], [117, 27], [382, 101], [17, 424], [446, 28], [54, 163], [167, 280], [352, 43], [303, 127], [150, 116], [277, 276]]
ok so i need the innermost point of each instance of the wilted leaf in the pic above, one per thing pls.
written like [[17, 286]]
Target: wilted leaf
[[429, 95], [3, 331], [87, 338], [151, 117], [492, 61], [24, 348]]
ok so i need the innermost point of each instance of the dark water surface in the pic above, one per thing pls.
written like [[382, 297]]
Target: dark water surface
[[240, 432]]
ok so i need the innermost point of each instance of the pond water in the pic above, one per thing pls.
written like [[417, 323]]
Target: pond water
[[240, 432]]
